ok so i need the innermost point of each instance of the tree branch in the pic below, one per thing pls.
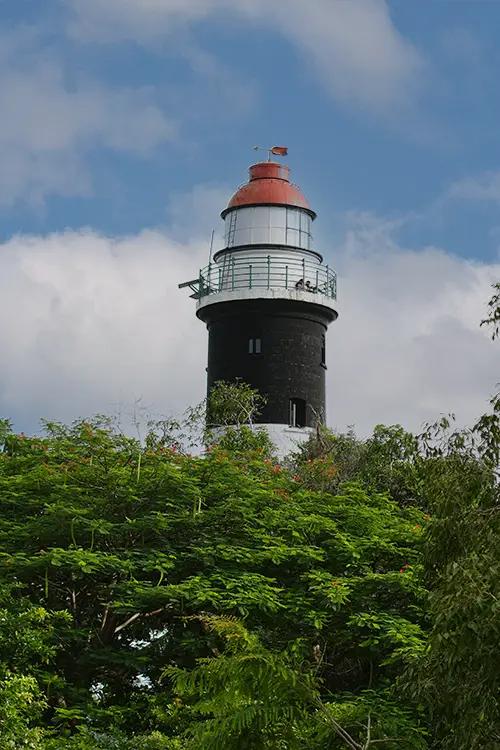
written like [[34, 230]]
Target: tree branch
[[340, 731], [136, 616]]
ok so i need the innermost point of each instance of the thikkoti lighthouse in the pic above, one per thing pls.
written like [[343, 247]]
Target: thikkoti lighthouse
[[267, 299]]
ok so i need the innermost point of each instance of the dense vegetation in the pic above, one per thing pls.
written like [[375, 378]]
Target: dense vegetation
[[347, 598]]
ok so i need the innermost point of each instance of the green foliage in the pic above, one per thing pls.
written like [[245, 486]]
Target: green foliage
[[235, 403], [27, 647], [249, 697], [27, 633], [245, 439], [128, 546], [5, 429], [157, 600], [389, 461], [227, 415], [252, 697], [20, 705], [88, 739], [493, 318], [459, 677]]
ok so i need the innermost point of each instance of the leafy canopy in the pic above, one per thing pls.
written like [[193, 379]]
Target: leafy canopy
[[130, 549]]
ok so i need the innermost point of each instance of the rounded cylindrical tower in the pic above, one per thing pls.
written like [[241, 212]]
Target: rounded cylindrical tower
[[267, 299]]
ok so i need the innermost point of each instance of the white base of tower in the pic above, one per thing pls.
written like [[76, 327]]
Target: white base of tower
[[286, 439]]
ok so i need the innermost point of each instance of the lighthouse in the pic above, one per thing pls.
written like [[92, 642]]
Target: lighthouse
[[267, 298]]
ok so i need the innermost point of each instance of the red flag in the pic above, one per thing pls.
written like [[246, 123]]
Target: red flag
[[279, 150]]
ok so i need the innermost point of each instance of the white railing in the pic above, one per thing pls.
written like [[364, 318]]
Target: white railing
[[268, 272]]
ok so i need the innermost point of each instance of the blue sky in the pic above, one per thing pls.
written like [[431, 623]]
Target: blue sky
[[225, 81], [131, 121]]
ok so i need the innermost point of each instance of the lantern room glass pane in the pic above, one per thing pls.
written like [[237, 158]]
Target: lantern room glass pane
[[242, 236], [260, 216], [277, 235], [293, 237], [260, 235], [277, 216], [292, 218], [260, 225]]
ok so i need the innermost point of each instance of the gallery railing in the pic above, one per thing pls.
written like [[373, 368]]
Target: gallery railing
[[268, 272]]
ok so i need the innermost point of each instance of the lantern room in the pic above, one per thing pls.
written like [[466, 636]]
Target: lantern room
[[268, 210], [268, 246]]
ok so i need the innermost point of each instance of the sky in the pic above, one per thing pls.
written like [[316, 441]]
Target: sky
[[126, 125]]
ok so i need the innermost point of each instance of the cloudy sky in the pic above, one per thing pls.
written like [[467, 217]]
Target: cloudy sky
[[125, 126]]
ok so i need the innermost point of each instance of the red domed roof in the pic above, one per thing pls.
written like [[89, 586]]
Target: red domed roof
[[269, 184]]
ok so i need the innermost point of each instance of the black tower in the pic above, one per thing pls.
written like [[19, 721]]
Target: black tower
[[267, 300]]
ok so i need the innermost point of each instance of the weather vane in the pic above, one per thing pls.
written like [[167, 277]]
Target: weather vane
[[273, 151]]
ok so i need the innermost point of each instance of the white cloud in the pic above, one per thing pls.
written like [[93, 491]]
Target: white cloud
[[482, 188], [357, 51], [48, 127], [136, 19], [359, 54], [196, 212], [407, 345], [91, 323]]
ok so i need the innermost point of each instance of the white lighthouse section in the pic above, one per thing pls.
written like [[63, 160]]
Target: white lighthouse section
[[268, 247], [277, 225], [285, 438], [267, 254]]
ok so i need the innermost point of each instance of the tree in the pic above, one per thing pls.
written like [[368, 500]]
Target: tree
[[21, 704], [231, 409], [458, 676], [493, 318], [137, 545], [225, 417], [233, 404], [388, 461], [27, 649], [252, 697]]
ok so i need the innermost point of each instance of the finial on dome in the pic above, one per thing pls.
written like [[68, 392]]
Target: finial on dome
[[273, 151]]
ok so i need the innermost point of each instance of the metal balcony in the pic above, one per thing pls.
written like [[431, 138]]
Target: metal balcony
[[232, 273]]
